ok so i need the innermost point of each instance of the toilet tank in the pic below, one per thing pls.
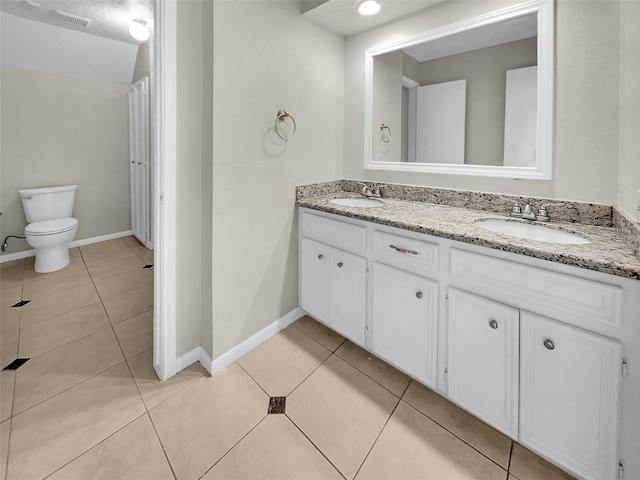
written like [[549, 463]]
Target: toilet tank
[[48, 203]]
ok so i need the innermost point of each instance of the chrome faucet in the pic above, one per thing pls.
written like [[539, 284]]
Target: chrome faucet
[[366, 190], [376, 191], [527, 214]]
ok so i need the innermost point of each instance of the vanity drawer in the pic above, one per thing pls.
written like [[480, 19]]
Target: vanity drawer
[[405, 252], [334, 232], [563, 297]]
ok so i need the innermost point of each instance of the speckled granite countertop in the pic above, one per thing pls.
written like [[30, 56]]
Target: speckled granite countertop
[[607, 252]]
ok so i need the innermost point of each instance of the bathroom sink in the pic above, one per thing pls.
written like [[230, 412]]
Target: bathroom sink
[[532, 232], [357, 202]]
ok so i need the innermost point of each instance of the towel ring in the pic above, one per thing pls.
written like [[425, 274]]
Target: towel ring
[[281, 117], [386, 137]]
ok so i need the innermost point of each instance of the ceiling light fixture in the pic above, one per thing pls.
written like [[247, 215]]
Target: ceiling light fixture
[[139, 30], [367, 7]]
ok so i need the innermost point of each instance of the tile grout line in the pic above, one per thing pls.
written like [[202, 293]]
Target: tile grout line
[[456, 436], [373, 379], [5, 467], [94, 446], [155, 430], [377, 438], [233, 446], [126, 361], [65, 313], [315, 446]]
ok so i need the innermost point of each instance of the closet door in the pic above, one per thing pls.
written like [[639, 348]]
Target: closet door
[[139, 160]]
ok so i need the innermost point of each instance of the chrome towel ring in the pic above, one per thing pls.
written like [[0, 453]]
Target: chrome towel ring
[[281, 117], [385, 133]]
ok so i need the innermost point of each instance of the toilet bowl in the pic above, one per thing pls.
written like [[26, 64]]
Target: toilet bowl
[[51, 227]]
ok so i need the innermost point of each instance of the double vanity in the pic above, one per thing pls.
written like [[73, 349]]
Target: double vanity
[[538, 336]]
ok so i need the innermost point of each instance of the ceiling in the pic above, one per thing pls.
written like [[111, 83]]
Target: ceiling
[[481, 37], [339, 15], [109, 19]]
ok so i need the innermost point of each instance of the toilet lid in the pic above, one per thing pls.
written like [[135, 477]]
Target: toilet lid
[[49, 227]]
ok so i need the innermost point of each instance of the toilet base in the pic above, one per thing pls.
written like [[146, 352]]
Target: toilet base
[[50, 259]]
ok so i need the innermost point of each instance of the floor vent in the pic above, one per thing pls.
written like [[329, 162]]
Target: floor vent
[[16, 364], [277, 405], [71, 19]]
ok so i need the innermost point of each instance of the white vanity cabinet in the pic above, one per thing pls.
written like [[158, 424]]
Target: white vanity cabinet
[[405, 321], [483, 358], [348, 289], [569, 384], [533, 348], [333, 281], [315, 278]]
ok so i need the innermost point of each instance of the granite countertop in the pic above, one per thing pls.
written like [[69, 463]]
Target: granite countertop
[[607, 252]]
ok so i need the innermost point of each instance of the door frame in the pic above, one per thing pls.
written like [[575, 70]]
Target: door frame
[[164, 98]]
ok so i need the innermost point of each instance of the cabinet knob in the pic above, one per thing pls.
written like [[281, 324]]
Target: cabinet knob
[[493, 324], [419, 294], [340, 264], [320, 257], [548, 344]]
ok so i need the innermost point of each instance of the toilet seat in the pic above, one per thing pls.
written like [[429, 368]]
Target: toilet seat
[[50, 227]]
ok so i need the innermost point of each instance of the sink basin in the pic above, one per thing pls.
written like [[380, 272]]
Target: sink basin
[[532, 232], [357, 202]]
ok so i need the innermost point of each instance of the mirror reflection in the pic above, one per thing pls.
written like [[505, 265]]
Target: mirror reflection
[[469, 98]]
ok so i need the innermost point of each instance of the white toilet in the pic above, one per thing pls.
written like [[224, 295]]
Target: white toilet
[[51, 227]]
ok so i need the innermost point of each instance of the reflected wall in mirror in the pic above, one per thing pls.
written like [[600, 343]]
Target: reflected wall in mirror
[[470, 98]]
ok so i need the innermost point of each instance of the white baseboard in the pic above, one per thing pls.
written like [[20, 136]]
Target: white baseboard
[[9, 257], [101, 238], [252, 342], [198, 354]]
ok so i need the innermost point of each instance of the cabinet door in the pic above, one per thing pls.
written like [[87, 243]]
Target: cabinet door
[[569, 396], [314, 278], [405, 310], [482, 359], [348, 294]]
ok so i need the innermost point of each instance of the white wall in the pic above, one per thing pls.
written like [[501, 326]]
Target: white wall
[[267, 57], [586, 105], [190, 267], [629, 174], [61, 130]]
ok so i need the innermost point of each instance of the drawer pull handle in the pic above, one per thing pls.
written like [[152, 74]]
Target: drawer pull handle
[[403, 250], [340, 264], [419, 294], [493, 324], [548, 344], [320, 257]]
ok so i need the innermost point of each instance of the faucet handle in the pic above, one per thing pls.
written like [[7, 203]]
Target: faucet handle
[[515, 210], [376, 190], [543, 214], [366, 189]]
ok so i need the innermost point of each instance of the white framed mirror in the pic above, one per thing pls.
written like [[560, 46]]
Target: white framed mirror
[[470, 98]]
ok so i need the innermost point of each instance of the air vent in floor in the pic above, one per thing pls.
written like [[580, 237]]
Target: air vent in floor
[[71, 19], [277, 405]]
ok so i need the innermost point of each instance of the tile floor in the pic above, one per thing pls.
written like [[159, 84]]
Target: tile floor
[[87, 403]]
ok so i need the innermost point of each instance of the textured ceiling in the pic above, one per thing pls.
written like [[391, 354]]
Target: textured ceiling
[[109, 19]]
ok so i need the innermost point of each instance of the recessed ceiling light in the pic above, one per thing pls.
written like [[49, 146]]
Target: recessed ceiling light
[[139, 30], [367, 7]]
